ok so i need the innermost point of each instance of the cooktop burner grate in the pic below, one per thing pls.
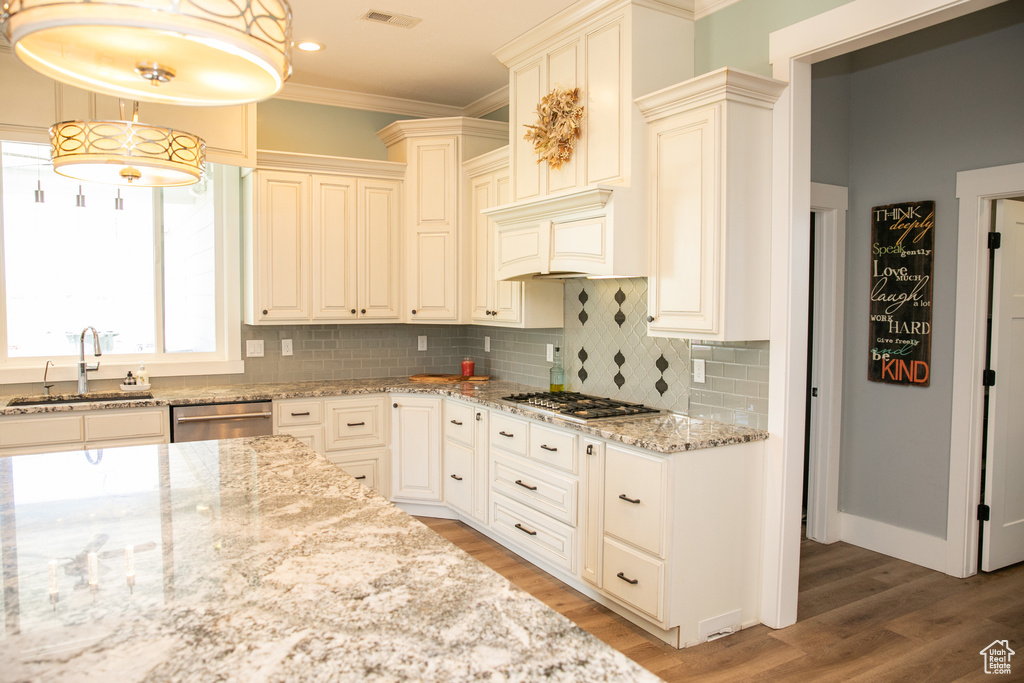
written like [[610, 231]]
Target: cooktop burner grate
[[579, 407]]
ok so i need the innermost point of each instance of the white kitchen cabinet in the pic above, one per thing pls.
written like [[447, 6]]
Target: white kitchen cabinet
[[416, 448], [321, 247], [709, 143], [592, 510], [437, 244], [465, 458], [350, 431], [534, 303], [74, 430]]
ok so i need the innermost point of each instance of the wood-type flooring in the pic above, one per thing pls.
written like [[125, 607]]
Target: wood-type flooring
[[862, 616]]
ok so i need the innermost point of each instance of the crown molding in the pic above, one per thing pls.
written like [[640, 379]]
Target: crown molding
[[703, 8], [486, 104], [488, 162], [320, 163], [455, 125], [297, 92]]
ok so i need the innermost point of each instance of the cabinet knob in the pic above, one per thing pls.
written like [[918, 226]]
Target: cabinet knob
[[394, 405], [362, 311], [353, 311], [650, 318], [264, 311], [414, 311], [478, 417], [590, 449]]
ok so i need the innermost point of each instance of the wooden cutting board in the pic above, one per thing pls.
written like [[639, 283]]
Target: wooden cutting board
[[443, 379]]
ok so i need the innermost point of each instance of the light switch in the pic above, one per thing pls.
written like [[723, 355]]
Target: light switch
[[421, 343], [286, 347], [698, 371], [254, 348], [487, 344]]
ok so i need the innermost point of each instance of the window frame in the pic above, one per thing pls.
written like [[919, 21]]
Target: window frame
[[226, 359]]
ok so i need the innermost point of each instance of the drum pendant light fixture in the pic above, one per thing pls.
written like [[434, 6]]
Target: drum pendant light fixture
[[187, 52], [126, 152]]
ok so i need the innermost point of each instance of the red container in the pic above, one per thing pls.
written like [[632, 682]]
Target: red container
[[467, 367]]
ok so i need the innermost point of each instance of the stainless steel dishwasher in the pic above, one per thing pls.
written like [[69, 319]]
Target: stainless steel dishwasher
[[221, 421]]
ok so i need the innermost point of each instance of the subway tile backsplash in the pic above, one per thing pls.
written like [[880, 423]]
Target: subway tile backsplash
[[736, 386]]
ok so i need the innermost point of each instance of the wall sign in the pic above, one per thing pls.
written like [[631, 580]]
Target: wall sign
[[902, 239]]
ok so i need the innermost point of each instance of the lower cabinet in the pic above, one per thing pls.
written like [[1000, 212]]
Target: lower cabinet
[[351, 431], [73, 430], [416, 449], [465, 459]]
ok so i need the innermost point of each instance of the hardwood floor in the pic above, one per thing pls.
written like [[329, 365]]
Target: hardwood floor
[[862, 617]]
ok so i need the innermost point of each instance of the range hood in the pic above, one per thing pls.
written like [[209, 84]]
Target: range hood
[[590, 216]]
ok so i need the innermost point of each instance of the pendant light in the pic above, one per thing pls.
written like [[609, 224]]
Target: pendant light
[[126, 152], [189, 52]]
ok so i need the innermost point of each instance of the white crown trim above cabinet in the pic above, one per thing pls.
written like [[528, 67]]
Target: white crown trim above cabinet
[[323, 248]]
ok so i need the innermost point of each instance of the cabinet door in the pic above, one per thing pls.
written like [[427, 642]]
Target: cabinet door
[[432, 257], [683, 287], [459, 476], [508, 296], [282, 247], [335, 249], [482, 286], [416, 448], [380, 264]]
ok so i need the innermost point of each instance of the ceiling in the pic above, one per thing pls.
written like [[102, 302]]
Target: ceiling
[[445, 59]]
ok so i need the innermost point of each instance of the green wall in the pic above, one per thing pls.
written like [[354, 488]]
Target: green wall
[[737, 36], [287, 126]]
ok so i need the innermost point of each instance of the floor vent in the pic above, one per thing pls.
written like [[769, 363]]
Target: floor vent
[[393, 19]]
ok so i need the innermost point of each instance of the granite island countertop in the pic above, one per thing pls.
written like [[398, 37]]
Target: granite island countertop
[[250, 559], [666, 433]]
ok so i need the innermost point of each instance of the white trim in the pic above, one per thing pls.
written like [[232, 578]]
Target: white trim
[[903, 544], [320, 163], [829, 203], [792, 50], [297, 92], [975, 189], [703, 8], [488, 103]]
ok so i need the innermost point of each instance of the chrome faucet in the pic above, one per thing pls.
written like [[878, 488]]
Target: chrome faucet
[[46, 387], [83, 380]]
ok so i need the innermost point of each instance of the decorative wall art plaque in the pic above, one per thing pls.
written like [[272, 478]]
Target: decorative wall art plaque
[[902, 239]]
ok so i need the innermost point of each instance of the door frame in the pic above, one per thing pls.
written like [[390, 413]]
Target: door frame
[[976, 190], [828, 204], [792, 51]]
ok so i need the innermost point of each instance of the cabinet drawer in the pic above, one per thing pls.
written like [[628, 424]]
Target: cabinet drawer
[[553, 447], [300, 412], [535, 487], [508, 433], [635, 579], [354, 423], [534, 532], [132, 424], [459, 422], [310, 436], [30, 431], [459, 477], [363, 471], [635, 499]]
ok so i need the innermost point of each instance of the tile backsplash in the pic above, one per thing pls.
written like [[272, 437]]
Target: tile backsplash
[[736, 386]]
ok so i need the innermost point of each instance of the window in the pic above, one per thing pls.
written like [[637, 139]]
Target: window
[[146, 267]]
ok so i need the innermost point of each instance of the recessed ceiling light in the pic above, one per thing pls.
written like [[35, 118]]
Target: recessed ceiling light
[[309, 46]]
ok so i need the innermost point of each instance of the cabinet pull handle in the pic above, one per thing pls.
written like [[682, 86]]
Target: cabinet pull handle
[[507, 434], [361, 476], [456, 423], [622, 496], [548, 448], [525, 530], [478, 416], [305, 414], [355, 424], [631, 582], [590, 449], [456, 477], [525, 486]]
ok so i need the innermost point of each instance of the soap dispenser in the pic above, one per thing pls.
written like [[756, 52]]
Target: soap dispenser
[[142, 377]]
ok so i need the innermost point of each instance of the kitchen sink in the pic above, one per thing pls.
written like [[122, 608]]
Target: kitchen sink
[[90, 397]]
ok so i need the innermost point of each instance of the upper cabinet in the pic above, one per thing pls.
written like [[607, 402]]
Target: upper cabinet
[[710, 205], [436, 244], [588, 216], [229, 132], [534, 303], [322, 247]]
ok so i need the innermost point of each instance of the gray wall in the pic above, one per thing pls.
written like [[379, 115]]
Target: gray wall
[[920, 109]]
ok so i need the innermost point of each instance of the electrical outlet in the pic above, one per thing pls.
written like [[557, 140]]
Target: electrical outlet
[[487, 344], [698, 371], [286, 347], [551, 353], [254, 348], [421, 343]]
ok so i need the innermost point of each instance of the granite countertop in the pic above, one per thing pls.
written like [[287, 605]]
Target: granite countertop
[[253, 559], [667, 433]]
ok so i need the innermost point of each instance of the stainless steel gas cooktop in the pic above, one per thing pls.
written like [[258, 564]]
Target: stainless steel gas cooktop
[[570, 405]]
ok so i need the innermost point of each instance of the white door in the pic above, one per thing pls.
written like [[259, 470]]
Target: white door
[[1003, 534]]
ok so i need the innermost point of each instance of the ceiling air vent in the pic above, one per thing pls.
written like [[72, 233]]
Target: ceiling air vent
[[392, 19]]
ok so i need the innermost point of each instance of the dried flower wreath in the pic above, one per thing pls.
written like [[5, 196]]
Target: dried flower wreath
[[557, 128]]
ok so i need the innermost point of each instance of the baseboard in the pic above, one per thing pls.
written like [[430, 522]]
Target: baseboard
[[438, 510], [903, 544]]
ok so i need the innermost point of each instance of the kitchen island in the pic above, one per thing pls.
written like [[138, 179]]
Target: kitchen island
[[253, 559]]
